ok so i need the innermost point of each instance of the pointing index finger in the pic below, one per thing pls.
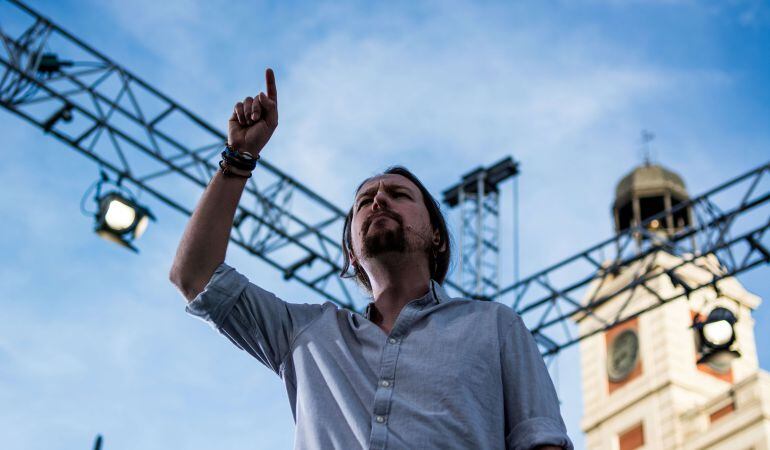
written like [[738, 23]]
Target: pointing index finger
[[272, 92]]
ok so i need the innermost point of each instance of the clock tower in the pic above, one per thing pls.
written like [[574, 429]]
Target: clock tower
[[655, 381]]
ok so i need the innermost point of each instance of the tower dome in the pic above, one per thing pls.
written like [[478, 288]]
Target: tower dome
[[645, 192]]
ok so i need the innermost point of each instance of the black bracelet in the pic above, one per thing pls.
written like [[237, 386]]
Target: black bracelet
[[241, 155], [238, 163], [225, 169], [237, 159]]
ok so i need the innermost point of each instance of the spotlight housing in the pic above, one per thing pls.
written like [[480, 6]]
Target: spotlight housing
[[121, 219], [716, 336], [64, 114], [50, 63]]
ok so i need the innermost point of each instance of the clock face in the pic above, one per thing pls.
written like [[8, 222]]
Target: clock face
[[622, 355]]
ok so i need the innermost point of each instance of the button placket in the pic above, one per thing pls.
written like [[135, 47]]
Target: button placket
[[383, 394]]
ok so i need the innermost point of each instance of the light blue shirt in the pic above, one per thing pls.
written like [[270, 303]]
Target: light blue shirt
[[452, 374]]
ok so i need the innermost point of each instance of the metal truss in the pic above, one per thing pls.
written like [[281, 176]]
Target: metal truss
[[479, 259], [477, 196], [732, 220], [143, 138]]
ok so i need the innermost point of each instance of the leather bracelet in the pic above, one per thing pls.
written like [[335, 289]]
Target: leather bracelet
[[226, 170], [240, 160], [239, 163], [243, 156], [237, 154]]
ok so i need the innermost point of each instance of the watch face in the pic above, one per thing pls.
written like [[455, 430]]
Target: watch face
[[622, 355]]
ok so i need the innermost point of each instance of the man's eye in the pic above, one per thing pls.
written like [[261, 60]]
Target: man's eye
[[361, 203]]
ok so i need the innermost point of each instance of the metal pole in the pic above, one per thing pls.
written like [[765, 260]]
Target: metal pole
[[515, 230], [497, 244], [479, 229], [461, 273]]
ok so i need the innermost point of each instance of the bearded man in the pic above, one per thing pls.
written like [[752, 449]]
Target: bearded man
[[418, 369]]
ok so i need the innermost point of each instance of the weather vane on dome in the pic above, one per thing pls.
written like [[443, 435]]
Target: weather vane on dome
[[647, 137]]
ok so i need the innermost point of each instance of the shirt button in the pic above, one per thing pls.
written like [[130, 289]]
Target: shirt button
[[380, 419], [392, 340], [384, 383]]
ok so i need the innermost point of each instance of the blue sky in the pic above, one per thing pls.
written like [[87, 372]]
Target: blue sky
[[95, 339]]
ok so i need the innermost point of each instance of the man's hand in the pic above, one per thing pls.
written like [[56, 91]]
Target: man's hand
[[254, 119]]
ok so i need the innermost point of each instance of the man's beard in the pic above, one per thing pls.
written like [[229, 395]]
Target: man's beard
[[390, 240], [393, 241]]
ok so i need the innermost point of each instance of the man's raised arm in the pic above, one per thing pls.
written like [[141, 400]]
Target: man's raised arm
[[204, 242]]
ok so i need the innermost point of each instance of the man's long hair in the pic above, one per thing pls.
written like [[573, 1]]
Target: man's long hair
[[438, 261]]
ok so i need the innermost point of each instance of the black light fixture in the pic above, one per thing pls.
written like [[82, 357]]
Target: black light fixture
[[716, 336], [49, 63], [120, 218], [64, 114]]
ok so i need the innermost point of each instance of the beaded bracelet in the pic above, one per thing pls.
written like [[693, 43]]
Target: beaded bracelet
[[240, 160]]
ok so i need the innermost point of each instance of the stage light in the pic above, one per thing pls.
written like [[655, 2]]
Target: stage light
[[716, 336], [717, 330], [50, 63], [120, 219], [64, 114]]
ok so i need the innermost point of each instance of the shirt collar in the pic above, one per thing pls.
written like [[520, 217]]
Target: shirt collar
[[435, 295]]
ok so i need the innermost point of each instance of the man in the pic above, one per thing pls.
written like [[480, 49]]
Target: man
[[418, 370]]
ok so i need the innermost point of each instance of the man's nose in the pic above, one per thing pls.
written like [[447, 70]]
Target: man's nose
[[380, 200]]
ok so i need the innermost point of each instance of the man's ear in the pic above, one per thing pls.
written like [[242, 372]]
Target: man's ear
[[437, 239]]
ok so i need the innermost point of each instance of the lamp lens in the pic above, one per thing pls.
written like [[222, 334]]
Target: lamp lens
[[718, 333], [141, 226], [119, 216]]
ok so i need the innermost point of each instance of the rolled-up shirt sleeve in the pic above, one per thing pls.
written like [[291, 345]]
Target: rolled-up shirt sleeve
[[253, 319], [532, 416]]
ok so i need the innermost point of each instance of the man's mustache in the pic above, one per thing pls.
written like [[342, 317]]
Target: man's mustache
[[383, 213]]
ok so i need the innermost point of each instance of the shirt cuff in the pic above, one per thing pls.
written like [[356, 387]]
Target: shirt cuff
[[214, 303], [538, 431]]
